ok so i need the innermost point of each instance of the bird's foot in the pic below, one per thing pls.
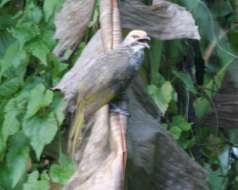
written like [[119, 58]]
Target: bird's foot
[[116, 108]]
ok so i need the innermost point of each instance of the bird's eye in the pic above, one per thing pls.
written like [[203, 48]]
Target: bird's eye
[[135, 36]]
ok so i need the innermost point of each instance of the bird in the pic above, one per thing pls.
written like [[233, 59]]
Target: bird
[[107, 76]]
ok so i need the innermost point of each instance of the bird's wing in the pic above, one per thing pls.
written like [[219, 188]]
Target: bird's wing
[[103, 72], [100, 80]]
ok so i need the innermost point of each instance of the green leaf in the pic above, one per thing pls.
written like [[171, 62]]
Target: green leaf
[[165, 125], [155, 58], [221, 8], [60, 173], [50, 7], [41, 131], [233, 39], [57, 68], [5, 39], [10, 125], [233, 136], [179, 121], [47, 98], [48, 38], [34, 183], [207, 26], [9, 87], [186, 80], [32, 13], [39, 49], [13, 58], [3, 2], [175, 132], [58, 106], [17, 158], [25, 32], [216, 180], [215, 84], [39, 98], [162, 96], [201, 106], [2, 148], [35, 100]]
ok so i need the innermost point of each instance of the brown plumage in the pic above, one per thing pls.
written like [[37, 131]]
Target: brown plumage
[[101, 80], [108, 75]]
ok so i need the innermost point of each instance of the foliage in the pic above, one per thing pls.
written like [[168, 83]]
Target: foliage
[[32, 114]]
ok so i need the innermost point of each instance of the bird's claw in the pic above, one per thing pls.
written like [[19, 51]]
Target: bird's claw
[[117, 109]]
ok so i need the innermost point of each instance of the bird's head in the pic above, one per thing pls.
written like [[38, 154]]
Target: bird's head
[[137, 38]]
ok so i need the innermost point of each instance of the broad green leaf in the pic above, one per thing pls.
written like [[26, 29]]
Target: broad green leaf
[[41, 131], [3, 2], [188, 143], [215, 84], [57, 68], [10, 125], [32, 13], [35, 100], [13, 58], [221, 8], [60, 173], [48, 38], [186, 79], [17, 158], [155, 58], [175, 132], [39, 49], [201, 106], [9, 87], [34, 183], [47, 98], [216, 179], [39, 98], [17, 103], [58, 106], [25, 32], [179, 121], [233, 39], [5, 40], [50, 7], [162, 96]]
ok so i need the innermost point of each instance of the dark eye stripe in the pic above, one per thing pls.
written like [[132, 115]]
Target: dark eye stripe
[[135, 36]]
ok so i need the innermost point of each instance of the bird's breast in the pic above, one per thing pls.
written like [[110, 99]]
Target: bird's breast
[[136, 59]]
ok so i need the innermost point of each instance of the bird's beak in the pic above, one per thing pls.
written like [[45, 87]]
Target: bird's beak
[[145, 41]]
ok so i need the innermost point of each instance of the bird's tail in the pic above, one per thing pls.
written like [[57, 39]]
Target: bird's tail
[[74, 134]]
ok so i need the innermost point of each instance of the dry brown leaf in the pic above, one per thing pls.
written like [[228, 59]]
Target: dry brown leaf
[[71, 23], [224, 109], [164, 20]]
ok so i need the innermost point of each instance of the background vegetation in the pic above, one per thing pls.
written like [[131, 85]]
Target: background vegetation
[[180, 81]]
